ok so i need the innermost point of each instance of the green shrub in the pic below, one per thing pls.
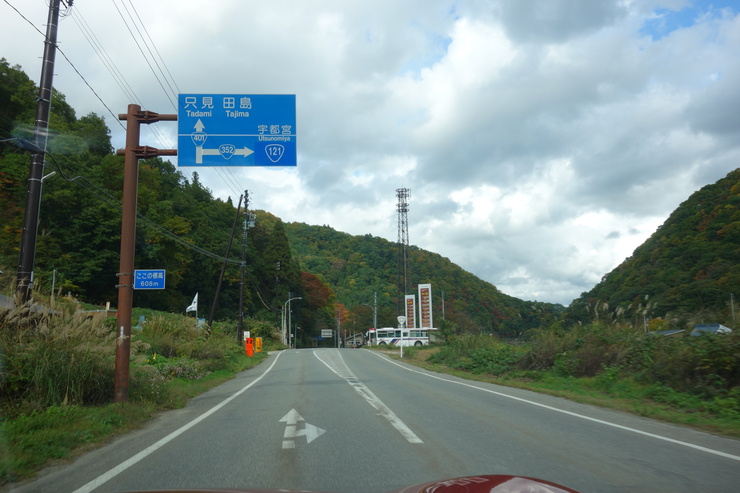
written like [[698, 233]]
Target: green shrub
[[477, 354], [186, 368], [581, 351], [146, 384], [65, 358]]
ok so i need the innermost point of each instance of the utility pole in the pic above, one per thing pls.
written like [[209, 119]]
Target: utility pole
[[339, 326], [133, 152], [27, 256], [248, 223], [375, 310], [223, 269]]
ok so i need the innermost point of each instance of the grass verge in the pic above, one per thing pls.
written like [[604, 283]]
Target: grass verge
[[58, 434], [622, 394]]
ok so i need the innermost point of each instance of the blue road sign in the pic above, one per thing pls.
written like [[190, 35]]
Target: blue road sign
[[149, 279], [236, 130]]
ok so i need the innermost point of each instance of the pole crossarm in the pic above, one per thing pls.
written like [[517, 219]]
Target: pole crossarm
[[147, 152], [149, 117]]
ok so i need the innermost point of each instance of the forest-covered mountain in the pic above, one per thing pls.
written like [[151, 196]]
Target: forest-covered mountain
[[688, 271], [360, 267], [690, 266], [182, 228]]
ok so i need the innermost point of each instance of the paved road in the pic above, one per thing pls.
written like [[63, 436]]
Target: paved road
[[353, 420]]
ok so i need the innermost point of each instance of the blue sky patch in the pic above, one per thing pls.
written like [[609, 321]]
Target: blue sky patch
[[667, 21]]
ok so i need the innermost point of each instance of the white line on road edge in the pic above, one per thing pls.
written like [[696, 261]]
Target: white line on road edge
[[105, 477], [372, 399], [588, 418]]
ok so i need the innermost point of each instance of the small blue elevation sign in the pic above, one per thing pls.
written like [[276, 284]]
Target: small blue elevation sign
[[236, 130], [149, 279]]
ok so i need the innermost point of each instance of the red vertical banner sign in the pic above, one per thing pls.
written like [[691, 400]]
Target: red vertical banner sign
[[410, 311], [425, 306]]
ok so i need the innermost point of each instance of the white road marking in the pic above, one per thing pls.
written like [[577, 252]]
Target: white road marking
[[343, 371], [291, 421], [105, 477], [563, 411]]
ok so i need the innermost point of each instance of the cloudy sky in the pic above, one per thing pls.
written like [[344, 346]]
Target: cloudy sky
[[542, 141]]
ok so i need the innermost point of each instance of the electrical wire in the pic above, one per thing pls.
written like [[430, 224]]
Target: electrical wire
[[166, 75], [115, 73], [232, 182], [143, 26], [103, 194], [70, 63], [103, 55], [138, 45], [226, 181]]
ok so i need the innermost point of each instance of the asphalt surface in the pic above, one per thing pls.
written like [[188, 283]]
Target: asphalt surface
[[354, 420]]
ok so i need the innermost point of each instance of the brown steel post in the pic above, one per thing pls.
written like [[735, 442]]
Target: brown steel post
[[126, 266], [133, 152]]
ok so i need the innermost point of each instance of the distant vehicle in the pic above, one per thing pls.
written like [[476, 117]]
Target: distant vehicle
[[701, 329], [390, 336]]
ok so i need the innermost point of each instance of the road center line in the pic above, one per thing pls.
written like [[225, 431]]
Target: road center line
[[107, 476], [343, 371], [563, 411]]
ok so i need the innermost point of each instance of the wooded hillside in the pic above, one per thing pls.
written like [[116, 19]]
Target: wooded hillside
[[182, 228], [685, 272], [357, 267]]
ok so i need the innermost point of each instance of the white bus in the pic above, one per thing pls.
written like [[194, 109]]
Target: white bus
[[391, 336]]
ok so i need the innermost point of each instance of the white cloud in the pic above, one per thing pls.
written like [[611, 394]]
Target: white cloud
[[542, 140]]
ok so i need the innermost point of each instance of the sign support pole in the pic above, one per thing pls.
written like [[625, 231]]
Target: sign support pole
[[133, 152]]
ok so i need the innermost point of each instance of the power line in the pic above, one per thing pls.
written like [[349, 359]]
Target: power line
[[70, 63], [143, 54], [107, 197], [155, 47], [233, 183], [103, 55], [229, 185]]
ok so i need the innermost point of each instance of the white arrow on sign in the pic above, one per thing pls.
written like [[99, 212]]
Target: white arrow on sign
[[226, 151], [291, 421]]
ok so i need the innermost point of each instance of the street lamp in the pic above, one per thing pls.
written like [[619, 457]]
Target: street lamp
[[287, 303]]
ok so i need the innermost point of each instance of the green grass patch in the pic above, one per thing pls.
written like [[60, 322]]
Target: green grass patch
[[62, 432], [57, 372], [611, 389]]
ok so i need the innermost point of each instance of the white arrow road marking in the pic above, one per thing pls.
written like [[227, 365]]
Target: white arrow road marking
[[291, 421]]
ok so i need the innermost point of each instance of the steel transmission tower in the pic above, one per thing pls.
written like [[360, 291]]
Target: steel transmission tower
[[404, 269]]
